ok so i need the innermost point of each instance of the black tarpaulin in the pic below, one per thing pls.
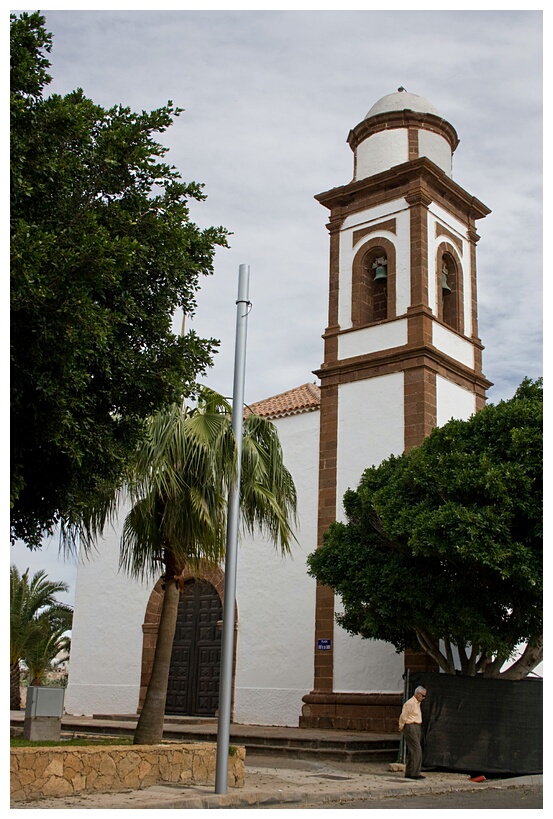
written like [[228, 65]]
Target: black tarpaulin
[[481, 726]]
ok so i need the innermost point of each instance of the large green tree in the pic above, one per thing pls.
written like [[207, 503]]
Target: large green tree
[[178, 488], [442, 547], [103, 251], [38, 624]]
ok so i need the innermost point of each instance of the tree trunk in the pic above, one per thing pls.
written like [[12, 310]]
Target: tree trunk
[[15, 682], [493, 667], [432, 649], [533, 655], [149, 730]]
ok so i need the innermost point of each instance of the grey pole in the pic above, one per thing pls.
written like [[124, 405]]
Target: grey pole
[[227, 649]]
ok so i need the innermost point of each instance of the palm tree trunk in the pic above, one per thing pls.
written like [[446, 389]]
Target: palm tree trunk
[[149, 729], [15, 682]]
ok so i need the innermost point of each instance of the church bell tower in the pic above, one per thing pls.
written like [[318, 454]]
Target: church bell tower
[[401, 353]]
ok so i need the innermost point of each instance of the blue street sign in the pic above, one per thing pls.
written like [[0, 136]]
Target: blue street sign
[[324, 645]]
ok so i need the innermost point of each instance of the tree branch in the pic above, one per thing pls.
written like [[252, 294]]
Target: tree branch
[[461, 648], [532, 656], [474, 653], [482, 662], [431, 647], [493, 667], [449, 652]]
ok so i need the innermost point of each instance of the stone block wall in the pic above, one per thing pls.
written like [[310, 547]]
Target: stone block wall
[[375, 713], [57, 771]]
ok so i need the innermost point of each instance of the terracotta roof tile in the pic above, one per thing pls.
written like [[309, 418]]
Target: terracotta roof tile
[[301, 399]]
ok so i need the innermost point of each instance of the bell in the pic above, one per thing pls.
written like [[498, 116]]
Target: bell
[[380, 273], [445, 285]]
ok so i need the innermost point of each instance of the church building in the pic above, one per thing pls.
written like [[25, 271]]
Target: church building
[[401, 356]]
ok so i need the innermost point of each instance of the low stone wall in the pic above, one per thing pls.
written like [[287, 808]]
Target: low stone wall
[[59, 771]]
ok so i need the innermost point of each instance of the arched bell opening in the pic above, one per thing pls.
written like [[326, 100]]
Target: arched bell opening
[[450, 289], [378, 279], [373, 283]]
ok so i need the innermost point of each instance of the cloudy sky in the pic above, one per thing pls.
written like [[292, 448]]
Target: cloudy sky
[[269, 99]]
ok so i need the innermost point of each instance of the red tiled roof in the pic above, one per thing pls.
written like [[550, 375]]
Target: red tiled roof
[[301, 399]]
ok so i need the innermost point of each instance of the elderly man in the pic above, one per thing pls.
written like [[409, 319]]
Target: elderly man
[[410, 722]]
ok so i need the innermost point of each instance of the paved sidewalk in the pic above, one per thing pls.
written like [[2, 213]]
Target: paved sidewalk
[[269, 781], [273, 781]]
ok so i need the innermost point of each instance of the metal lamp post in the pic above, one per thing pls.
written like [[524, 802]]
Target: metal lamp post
[[227, 650]]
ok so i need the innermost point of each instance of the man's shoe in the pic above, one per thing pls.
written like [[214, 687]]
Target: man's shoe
[[420, 776]]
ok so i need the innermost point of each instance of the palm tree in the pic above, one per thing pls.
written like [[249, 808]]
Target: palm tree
[[178, 488], [50, 646], [32, 606]]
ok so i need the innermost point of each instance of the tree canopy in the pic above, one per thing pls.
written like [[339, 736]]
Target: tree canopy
[[442, 546], [179, 485], [103, 251]]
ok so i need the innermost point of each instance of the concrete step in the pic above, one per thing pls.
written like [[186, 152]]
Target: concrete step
[[259, 740], [171, 719], [329, 743], [322, 754]]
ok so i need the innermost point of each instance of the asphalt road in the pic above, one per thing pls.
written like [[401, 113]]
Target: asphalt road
[[526, 797]]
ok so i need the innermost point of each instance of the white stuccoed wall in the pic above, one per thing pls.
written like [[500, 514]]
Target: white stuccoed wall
[[453, 401], [381, 151], [436, 148], [368, 666], [106, 642], [452, 344], [373, 339], [276, 611], [370, 429], [389, 148], [276, 598]]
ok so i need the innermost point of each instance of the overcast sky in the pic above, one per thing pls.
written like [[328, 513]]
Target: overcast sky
[[270, 97]]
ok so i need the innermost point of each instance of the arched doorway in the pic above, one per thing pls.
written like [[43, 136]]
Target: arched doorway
[[213, 582], [193, 687]]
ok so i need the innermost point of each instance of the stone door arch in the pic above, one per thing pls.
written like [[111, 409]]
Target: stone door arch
[[196, 649]]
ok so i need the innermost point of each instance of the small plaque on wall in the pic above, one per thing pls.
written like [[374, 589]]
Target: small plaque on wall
[[324, 645]]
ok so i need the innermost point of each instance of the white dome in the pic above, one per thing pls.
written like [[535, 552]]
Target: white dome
[[400, 100], [384, 138]]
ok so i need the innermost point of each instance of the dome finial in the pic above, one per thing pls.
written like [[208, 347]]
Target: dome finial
[[401, 88]]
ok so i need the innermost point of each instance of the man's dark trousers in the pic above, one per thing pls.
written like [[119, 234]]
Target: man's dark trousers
[[412, 734]]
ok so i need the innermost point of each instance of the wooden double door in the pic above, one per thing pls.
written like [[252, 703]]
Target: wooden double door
[[193, 688]]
